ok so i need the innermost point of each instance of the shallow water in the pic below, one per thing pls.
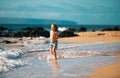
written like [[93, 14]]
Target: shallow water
[[74, 50], [75, 60], [63, 68]]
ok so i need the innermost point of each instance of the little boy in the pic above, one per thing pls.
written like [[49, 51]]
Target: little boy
[[53, 40]]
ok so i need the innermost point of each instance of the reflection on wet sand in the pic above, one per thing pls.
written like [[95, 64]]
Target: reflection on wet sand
[[55, 68]]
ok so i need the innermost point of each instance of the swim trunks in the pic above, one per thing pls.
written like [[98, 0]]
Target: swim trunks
[[54, 44]]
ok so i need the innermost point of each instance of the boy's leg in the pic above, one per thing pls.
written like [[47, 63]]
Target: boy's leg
[[54, 53], [51, 51]]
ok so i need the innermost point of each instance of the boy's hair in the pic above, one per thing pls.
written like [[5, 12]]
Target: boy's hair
[[55, 26]]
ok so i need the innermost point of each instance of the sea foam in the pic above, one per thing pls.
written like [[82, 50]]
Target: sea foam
[[62, 28], [9, 59]]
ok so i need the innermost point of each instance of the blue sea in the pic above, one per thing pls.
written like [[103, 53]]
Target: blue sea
[[89, 27]]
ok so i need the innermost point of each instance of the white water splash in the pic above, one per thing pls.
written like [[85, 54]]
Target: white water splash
[[9, 59], [62, 29]]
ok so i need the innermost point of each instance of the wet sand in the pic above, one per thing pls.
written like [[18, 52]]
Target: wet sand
[[109, 71], [98, 36]]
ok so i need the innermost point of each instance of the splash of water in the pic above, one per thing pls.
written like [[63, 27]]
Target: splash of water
[[9, 59]]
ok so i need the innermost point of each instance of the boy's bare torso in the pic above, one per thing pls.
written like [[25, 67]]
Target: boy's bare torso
[[53, 36]]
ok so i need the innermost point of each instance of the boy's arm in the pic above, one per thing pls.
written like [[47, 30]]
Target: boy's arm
[[51, 33], [57, 35]]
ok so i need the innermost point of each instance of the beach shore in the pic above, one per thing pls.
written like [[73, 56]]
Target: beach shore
[[109, 71], [40, 44], [98, 36]]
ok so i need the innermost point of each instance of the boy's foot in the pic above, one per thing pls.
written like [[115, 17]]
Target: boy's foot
[[51, 57]]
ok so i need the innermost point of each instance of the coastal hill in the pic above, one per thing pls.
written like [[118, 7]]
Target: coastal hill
[[34, 21]]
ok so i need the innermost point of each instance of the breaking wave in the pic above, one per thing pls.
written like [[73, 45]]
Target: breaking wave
[[9, 59], [62, 29]]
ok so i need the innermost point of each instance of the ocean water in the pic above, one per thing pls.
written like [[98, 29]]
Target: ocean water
[[9, 59], [89, 27], [74, 59], [73, 50]]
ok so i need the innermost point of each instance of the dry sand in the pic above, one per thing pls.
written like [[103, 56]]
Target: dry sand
[[99, 36], [110, 71]]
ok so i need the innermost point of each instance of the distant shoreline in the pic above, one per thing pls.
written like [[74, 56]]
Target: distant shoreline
[[87, 37], [89, 27]]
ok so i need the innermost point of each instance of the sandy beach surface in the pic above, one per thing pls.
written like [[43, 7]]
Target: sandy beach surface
[[109, 71], [99, 36]]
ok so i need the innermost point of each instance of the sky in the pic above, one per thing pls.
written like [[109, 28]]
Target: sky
[[80, 11]]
